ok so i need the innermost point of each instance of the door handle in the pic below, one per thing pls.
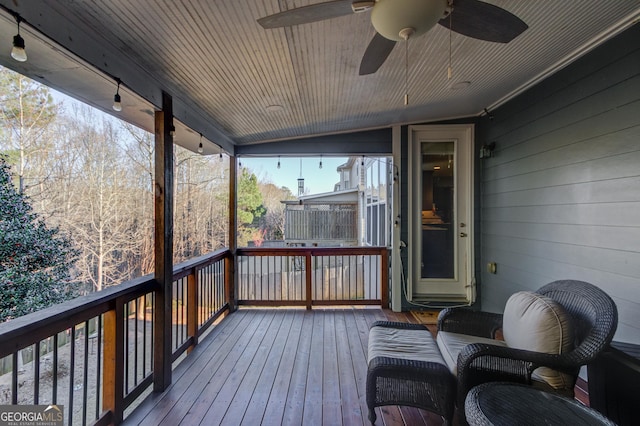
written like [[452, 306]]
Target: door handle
[[463, 234]]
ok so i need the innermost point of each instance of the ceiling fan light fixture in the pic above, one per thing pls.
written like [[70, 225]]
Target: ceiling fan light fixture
[[391, 17]]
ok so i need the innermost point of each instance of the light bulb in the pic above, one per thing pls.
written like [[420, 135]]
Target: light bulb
[[117, 105], [200, 148], [18, 53]]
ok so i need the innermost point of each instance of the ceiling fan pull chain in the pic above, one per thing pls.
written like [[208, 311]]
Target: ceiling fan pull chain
[[406, 72]]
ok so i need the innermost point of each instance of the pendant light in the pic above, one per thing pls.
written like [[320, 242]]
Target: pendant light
[[117, 105], [18, 53]]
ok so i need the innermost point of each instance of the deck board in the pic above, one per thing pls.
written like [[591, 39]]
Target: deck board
[[278, 367]]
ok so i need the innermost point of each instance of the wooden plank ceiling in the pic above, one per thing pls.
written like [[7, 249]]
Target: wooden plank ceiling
[[238, 83]]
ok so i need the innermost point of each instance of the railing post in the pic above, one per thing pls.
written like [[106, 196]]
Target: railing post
[[307, 270], [113, 362], [384, 278], [232, 264], [229, 280], [192, 308]]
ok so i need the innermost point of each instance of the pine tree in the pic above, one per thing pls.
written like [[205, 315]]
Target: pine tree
[[34, 260], [250, 206]]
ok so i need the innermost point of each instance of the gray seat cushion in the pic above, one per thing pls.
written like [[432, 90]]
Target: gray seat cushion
[[416, 345], [450, 345]]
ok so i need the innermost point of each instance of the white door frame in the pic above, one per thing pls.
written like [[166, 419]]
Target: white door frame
[[464, 289]]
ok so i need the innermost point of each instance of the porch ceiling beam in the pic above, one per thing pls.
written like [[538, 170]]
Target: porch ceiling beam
[[368, 142]]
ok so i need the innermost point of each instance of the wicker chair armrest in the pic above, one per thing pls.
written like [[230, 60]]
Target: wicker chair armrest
[[465, 321], [480, 362], [471, 353], [402, 325]]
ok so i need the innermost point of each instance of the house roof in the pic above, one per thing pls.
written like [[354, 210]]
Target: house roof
[[238, 84], [343, 196]]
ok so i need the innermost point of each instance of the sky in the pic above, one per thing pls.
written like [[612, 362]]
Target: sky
[[316, 180]]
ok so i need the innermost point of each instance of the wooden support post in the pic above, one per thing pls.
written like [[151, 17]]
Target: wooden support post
[[384, 278], [113, 363], [307, 274], [232, 264], [163, 247], [192, 307]]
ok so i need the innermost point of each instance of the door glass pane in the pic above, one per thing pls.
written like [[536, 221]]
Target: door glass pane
[[438, 216]]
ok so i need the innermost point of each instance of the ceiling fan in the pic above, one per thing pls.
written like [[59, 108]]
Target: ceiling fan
[[396, 20]]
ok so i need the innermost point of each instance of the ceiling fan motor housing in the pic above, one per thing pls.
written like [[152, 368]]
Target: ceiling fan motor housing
[[390, 17]]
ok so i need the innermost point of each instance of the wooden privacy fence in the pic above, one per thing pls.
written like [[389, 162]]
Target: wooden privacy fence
[[321, 222], [94, 354], [313, 276]]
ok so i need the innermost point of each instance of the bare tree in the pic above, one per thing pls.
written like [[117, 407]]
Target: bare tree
[[100, 216], [27, 111], [273, 221]]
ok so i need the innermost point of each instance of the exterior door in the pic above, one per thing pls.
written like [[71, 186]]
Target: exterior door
[[441, 228]]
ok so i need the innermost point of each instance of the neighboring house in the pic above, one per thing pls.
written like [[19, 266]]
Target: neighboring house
[[354, 214]]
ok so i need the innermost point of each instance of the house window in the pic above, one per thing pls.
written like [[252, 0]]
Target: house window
[[376, 226]]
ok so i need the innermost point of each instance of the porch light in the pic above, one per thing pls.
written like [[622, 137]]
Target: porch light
[[18, 53], [486, 150], [117, 105], [278, 161], [320, 165]]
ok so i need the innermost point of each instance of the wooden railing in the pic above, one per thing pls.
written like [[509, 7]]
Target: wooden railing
[[312, 276], [94, 354]]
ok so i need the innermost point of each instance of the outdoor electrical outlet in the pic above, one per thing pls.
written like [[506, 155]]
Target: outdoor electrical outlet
[[492, 267]]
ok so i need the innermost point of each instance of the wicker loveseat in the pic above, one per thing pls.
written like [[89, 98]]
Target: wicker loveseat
[[584, 321]]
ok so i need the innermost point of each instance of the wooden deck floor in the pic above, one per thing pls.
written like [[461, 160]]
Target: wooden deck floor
[[278, 367]]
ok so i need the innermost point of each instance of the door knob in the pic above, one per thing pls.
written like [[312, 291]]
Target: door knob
[[463, 234]]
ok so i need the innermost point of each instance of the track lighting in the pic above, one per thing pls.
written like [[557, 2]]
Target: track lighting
[[18, 53], [117, 106]]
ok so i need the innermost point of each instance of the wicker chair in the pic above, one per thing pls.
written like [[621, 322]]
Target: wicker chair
[[592, 315]]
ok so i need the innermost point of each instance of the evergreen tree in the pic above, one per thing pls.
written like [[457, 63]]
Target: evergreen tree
[[250, 206], [34, 259]]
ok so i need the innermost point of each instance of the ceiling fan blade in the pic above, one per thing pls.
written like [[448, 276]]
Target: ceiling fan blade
[[484, 21], [377, 52], [307, 14]]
